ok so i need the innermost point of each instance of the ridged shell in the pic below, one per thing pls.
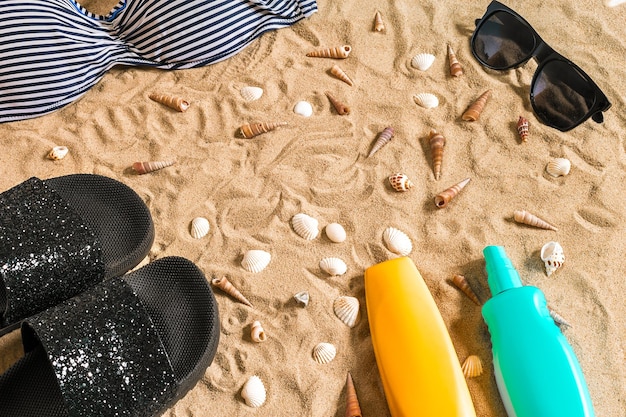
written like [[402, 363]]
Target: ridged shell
[[199, 227], [305, 226], [461, 282], [257, 334], [379, 24], [302, 298], [341, 52], [253, 392], [251, 130], [558, 319], [255, 260], [437, 142], [175, 103], [400, 182], [341, 108], [426, 100], [553, 257], [383, 138], [455, 68], [151, 166], [225, 285], [524, 217], [335, 232], [58, 153], [324, 352], [472, 366], [523, 126], [347, 309], [422, 61], [353, 409], [397, 241], [341, 74], [558, 167], [333, 266], [303, 108], [476, 108], [250, 93], [443, 198]]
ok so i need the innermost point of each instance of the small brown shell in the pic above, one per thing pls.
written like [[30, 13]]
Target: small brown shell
[[443, 198], [228, 288], [57, 153], [353, 409], [455, 68], [251, 130], [339, 106], [151, 166], [522, 128], [461, 282], [475, 109], [383, 138], [336, 52], [524, 217], [437, 142], [379, 25], [400, 182], [472, 366], [175, 103], [339, 73]]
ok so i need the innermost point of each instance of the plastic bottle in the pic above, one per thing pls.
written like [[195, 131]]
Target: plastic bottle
[[536, 370]]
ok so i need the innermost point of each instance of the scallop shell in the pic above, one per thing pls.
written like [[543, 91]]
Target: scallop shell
[[225, 285], [476, 108], [400, 182], [397, 241], [250, 93], [422, 61], [305, 226], [426, 100], [58, 153], [199, 227], [341, 74], [324, 352], [347, 309], [524, 217], [437, 142], [257, 334], [333, 266], [151, 166], [303, 298], [558, 167], [461, 282], [379, 25], [336, 52], [353, 409], [383, 138], [253, 392], [455, 68], [553, 257], [303, 108], [522, 128], [251, 130], [443, 198], [255, 260], [175, 103], [335, 232], [472, 366]]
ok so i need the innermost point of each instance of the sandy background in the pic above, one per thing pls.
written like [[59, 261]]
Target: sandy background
[[250, 189]]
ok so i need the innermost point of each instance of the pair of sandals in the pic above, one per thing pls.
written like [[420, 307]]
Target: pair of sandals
[[97, 343]]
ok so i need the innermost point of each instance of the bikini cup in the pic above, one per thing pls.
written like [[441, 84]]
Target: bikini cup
[[53, 51]]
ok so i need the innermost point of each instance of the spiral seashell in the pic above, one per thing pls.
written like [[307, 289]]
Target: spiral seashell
[[251, 130], [333, 266], [455, 68], [250, 93], [225, 285], [303, 108], [443, 198], [175, 103], [553, 257], [339, 106], [472, 366], [347, 309], [199, 227], [426, 100], [339, 73], [302, 298], [475, 109], [253, 392], [558, 167], [324, 352], [397, 241], [524, 217], [400, 182], [151, 166], [335, 232], [383, 138], [305, 226], [257, 334], [255, 260], [379, 25], [336, 52], [461, 283], [522, 128], [57, 153], [558, 319], [422, 61], [437, 142], [353, 409]]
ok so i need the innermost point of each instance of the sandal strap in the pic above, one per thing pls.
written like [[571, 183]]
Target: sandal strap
[[105, 352], [47, 253]]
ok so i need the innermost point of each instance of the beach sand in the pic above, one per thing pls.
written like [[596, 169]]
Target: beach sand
[[249, 189]]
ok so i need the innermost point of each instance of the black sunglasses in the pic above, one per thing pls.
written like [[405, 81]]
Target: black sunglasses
[[561, 94]]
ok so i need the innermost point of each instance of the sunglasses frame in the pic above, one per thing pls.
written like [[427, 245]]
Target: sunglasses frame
[[543, 54]]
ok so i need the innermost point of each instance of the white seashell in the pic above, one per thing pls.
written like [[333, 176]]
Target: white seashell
[[305, 226], [335, 232], [253, 392], [199, 227], [422, 61], [303, 108], [250, 93], [57, 153], [257, 333], [397, 241], [613, 3], [552, 256], [255, 260], [426, 100], [302, 298], [558, 167], [324, 353], [333, 266], [347, 309]]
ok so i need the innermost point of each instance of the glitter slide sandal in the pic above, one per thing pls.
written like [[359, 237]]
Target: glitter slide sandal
[[130, 346], [62, 235]]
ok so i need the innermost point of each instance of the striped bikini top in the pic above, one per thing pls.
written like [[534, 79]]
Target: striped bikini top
[[53, 51]]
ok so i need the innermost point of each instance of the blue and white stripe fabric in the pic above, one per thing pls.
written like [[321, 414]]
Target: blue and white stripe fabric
[[53, 51]]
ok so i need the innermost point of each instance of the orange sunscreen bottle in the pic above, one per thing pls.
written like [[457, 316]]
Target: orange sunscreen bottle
[[418, 365]]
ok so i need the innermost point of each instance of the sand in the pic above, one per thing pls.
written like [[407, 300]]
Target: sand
[[249, 189]]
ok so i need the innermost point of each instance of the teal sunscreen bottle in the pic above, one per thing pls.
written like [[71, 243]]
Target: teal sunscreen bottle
[[536, 370]]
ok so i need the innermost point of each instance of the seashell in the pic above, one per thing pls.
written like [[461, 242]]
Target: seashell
[[522, 128], [339, 106], [397, 241], [199, 227], [175, 103], [400, 182], [475, 109], [353, 408], [558, 319], [522, 216], [422, 61], [254, 129], [558, 167], [324, 353], [383, 138], [255, 260], [455, 68], [305, 226], [553, 257], [225, 285], [437, 142], [426, 100], [461, 282], [339, 73], [333, 266], [472, 366], [613, 3], [253, 392], [303, 108], [379, 25], [250, 93], [347, 309], [335, 232], [302, 298], [443, 198], [337, 52], [57, 153], [257, 333], [151, 166]]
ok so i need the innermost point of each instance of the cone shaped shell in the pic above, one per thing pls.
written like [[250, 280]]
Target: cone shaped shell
[[558, 319], [175, 103], [305, 226], [437, 142], [335, 232], [253, 392], [423, 61], [251, 130], [57, 153], [302, 298], [397, 241], [522, 128], [250, 93], [151, 166], [524, 217], [353, 409], [257, 334], [558, 167], [443, 198], [472, 367], [379, 24], [333, 266], [339, 73], [225, 285], [455, 68], [347, 309], [475, 109], [553, 257], [199, 227], [461, 282], [400, 182], [340, 52], [341, 108], [383, 138], [324, 353], [426, 100], [256, 260]]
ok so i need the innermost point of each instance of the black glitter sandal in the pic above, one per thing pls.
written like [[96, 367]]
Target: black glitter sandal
[[62, 235], [128, 347]]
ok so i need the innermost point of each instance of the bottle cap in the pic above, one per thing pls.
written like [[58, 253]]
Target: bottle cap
[[501, 275]]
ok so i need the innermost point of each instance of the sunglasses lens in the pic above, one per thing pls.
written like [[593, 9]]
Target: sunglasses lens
[[503, 41]]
